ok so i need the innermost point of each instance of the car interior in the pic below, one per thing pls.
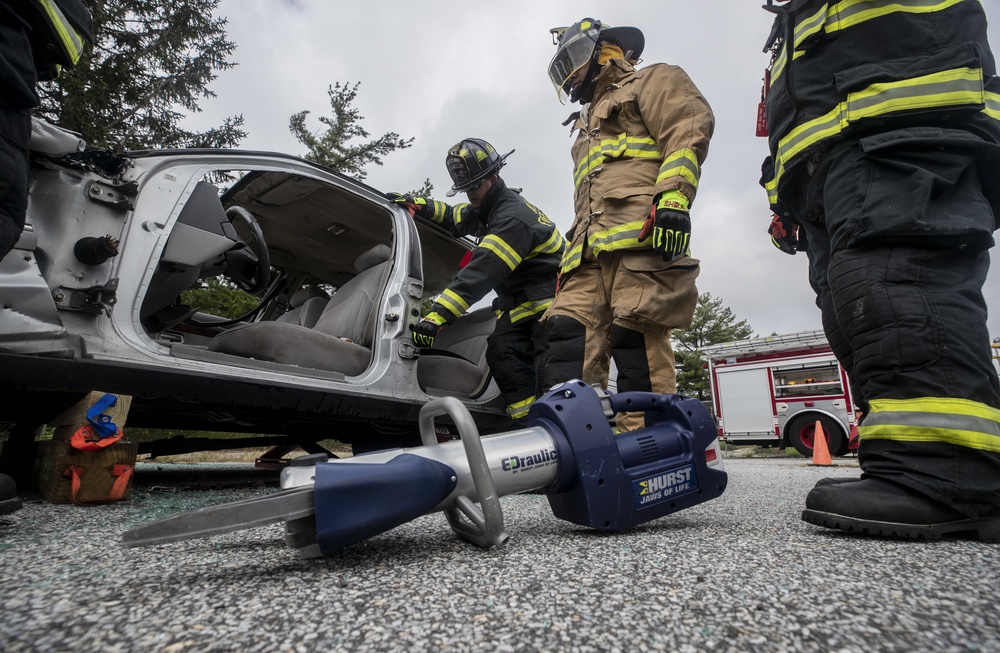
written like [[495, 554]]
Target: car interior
[[315, 258]]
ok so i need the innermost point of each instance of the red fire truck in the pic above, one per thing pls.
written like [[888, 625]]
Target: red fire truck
[[773, 390]]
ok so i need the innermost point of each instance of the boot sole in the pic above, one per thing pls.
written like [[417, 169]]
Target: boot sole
[[10, 505], [985, 530]]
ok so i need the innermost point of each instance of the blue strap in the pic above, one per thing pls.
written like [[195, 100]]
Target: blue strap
[[102, 423]]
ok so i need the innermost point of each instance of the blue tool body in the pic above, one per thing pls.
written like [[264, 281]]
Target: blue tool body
[[614, 482]]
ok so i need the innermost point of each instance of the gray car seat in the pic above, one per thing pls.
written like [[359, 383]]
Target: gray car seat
[[341, 339], [457, 363], [305, 306]]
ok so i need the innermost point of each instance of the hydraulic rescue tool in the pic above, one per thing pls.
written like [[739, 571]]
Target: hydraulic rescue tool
[[592, 476]]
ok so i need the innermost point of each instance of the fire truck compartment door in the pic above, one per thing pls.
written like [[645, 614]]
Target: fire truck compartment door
[[746, 401]]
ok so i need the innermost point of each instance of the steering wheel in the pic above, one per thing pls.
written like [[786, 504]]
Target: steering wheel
[[248, 267]]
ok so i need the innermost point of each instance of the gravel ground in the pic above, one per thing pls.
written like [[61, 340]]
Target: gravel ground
[[741, 573]]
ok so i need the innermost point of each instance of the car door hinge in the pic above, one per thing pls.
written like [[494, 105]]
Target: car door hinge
[[95, 299], [113, 194]]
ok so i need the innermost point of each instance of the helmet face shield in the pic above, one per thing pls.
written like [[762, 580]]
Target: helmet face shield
[[575, 50]]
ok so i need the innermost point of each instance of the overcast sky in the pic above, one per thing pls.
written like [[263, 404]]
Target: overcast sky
[[444, 70]]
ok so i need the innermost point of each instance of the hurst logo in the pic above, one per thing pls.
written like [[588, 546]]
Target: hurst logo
[[663, 486], [518, 464]]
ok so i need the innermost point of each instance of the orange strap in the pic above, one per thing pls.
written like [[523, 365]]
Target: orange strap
[[87, 439], [123, 474]]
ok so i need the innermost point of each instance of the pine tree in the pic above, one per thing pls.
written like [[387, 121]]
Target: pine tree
[[149, 67], [332, 148], [713, 323]]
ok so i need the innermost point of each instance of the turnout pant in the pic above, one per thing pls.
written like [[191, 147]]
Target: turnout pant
[[897, 230], [513, 351], [15, 133], [621, 305]]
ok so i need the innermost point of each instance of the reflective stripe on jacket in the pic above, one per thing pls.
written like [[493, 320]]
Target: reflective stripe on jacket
[[936, 67], [518, 256], [645, 132]]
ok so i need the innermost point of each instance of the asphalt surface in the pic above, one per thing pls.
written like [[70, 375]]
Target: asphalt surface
[[741, 573]]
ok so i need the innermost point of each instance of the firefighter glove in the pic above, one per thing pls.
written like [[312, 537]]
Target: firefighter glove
[[784, 233], [671, 226], [421, 206], [424, 333]]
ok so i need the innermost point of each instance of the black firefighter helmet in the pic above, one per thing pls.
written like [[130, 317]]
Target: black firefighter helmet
[[577, 46], [470, 161]]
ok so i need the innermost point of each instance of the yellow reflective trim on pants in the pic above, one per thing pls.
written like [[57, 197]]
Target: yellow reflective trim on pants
[[683, 163], [451, 300], [529, 308], [519, 410], [624, 147], [69, 38], [959, 422], [503, 251]]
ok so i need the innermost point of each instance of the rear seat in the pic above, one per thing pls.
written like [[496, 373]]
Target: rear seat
[[457, 363]]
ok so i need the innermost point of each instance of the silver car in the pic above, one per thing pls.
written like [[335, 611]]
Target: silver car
[[90, 299]]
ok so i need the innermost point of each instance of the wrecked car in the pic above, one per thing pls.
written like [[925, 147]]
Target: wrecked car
[[91, 298]]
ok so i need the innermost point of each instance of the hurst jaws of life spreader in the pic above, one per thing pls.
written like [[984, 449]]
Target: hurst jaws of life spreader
[[592, 476]]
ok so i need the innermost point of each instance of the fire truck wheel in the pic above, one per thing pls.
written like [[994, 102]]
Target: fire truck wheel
[[802, 429]]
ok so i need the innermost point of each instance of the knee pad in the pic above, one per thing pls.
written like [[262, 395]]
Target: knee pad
[[628, 348], [566, 344]]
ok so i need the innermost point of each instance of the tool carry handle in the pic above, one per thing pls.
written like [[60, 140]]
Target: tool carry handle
[[482, 525]]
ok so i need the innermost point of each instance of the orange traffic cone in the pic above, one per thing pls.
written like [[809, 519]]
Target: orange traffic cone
[[821, 452]]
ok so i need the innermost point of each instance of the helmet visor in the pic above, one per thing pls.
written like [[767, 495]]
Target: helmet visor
[[574, 52]]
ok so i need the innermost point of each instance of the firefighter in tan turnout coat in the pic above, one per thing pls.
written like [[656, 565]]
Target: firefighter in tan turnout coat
[[642, 136]]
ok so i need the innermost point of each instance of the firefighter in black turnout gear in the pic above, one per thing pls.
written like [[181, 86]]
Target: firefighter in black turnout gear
[[37, 37], [517, 256], [884, 133]]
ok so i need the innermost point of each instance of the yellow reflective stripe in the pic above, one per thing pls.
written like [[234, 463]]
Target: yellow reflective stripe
[[992, 108], [850, 13], [771, 186], [503, 251], [519, 409], [70, 40], [959, 86], [453, 302], [854, 12], [571, 258], [959, 422], [436, 318], [956, 87], [623, 146], [529, 308], [683, 163], [553, 245], [624, 236]]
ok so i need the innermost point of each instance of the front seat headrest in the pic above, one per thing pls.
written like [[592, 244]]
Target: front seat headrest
[[371, 258]]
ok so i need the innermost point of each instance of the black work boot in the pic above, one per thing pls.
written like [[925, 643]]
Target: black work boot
[[8, 495], [872, 506]]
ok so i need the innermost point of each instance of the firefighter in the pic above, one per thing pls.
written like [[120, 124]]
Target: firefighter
[[642, 136], [885, 153], [36, 38], [517, 256]]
